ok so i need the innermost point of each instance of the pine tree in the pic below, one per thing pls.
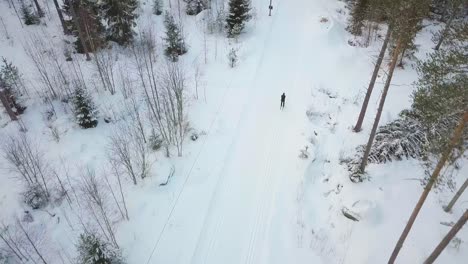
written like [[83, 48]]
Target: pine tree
[[92, 250], [454, 138], [62, 20], [157, 7], [358, 15], [120, 16], [442, 91], [84, 109], [175, 44], [194, 7], [28, 15], [406, 19], [85, 23], [12, 84], [239, 14], [402, 29], [403, 19]]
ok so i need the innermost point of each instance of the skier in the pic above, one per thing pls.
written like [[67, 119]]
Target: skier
[[283, 99]]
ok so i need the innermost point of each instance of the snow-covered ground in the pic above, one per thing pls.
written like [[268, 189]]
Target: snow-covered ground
[[241, 194]]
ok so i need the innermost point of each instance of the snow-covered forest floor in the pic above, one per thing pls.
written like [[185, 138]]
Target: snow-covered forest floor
[[240, 193]]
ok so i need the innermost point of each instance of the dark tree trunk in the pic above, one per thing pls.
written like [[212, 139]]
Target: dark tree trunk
[[460, 223], [448, 208], [358, 125], [76, 21], [380, 109], [401, 59], [6, 104], [443, 159], [62, 21], [444, 33], [39, 9]]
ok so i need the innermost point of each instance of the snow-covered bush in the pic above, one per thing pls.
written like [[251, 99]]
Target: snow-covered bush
[[403, 138], [232, 56], [5, 257], [194, 136], [26, 160], [157, 7], [83, 108], [28, 15], [93, 250], [35, 197], [304, 153], [155, 141], [194, 7]]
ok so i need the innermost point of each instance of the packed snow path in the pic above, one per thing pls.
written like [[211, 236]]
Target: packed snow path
[[250, 215]]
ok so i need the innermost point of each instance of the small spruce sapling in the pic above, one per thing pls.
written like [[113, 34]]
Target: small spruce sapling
[[28, 15], [84, 109], [12, 83], [120, 17], [239, 14], [93, 250], [175, 44]]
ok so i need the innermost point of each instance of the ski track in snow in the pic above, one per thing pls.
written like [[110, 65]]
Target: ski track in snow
[[238, 220]]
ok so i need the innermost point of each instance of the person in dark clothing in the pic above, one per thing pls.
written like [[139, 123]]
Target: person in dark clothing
[[283, 99]]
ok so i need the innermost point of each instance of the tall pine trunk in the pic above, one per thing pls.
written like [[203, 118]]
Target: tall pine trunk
[[457, 135], [381, 105], [6, 104], [76, 20], [62, 20], [358, 125], [444, 33], [460, 223], [40, 13], [448, 208]]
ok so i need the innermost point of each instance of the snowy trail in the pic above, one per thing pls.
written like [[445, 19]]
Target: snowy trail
[[238, 223], [250, 216]]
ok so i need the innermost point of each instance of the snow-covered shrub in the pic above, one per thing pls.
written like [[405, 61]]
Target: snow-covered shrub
[[402, 138], [194, 136], [54, 132], [155, 142], [93, 250], [5, 257], [233, 58], [194, 7], [27, 217], [83, 108], [35, 197], [28, 15], [157, 7], [304, 153]]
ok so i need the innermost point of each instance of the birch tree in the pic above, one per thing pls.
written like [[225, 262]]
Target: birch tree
[[97, 205]]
